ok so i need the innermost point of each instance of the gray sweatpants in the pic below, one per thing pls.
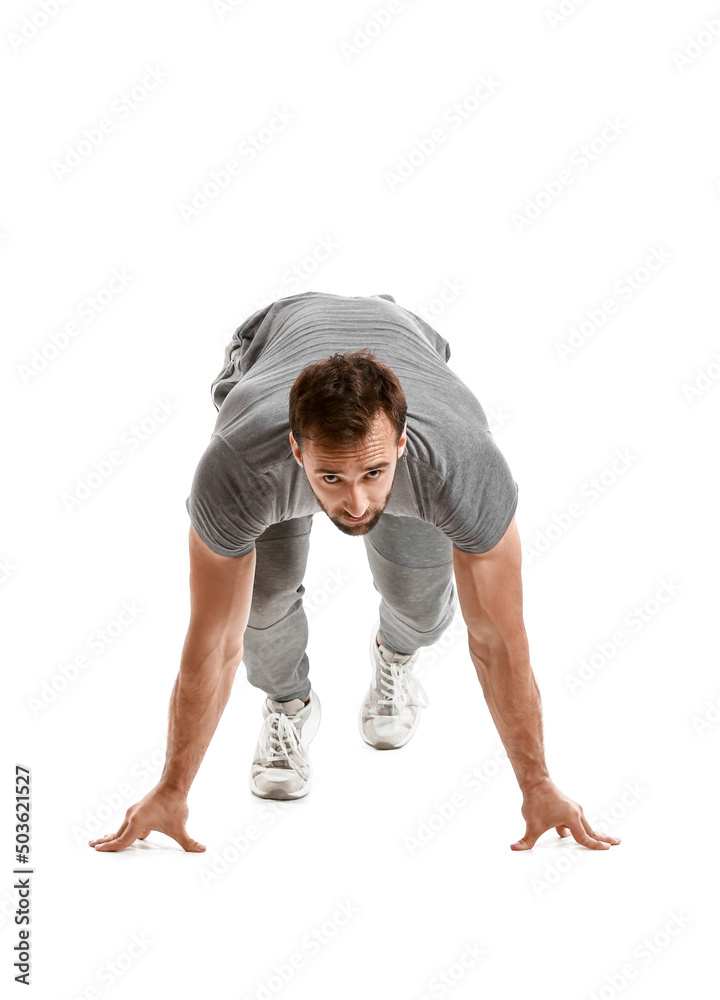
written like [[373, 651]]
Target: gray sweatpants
[[411, 565]]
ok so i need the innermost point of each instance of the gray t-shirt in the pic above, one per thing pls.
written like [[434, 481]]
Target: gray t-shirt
[[451, 474]]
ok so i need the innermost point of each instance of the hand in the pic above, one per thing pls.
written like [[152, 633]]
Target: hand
[[162, 809], [544, 806]]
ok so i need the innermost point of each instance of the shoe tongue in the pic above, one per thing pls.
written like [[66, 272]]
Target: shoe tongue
[[390, 657], [287, 707]]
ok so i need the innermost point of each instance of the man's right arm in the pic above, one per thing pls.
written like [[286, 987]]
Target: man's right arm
[[220, 597]]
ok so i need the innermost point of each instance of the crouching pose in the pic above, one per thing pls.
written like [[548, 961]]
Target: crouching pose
[[347, 405]]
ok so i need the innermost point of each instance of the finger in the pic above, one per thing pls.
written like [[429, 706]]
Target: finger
[[186, 841], [120, 842], [583, 837], [562, 831], [143, 835], [108, 836], [606, 839], [528, 841], [598, 836]]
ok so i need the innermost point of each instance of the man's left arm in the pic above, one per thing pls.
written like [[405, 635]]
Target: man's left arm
[[489, 588]]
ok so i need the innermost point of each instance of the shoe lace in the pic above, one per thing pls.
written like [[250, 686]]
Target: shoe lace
[[396, 682], [281, 743]]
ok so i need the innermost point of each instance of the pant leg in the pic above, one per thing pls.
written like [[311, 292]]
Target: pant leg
[[277, 632], [412, 567]]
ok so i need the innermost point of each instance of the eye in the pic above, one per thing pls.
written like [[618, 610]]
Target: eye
[[374, 473]]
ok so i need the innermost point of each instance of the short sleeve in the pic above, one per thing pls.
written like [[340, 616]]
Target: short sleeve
[[224, 503], [476, 503]]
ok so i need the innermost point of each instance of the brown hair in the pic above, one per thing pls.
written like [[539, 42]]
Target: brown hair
[[336, 400]]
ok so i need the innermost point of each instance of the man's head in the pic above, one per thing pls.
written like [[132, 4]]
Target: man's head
[[348, 418]]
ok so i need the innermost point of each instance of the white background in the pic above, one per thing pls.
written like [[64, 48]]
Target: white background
[[557, 921]]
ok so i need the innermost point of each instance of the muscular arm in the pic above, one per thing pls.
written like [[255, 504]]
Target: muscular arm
[[489, 587], [220, 598], [490, 594]]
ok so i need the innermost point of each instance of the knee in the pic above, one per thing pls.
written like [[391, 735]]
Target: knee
[[267, 610], [428, 618], [422, 622]]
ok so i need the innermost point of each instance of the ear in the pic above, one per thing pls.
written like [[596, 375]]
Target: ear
[[297, 454], [403, 441]]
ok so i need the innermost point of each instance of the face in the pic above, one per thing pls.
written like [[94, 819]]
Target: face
[[353, 485]]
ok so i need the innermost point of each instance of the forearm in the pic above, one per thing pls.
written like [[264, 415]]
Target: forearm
[[513, 698], [198, 700]]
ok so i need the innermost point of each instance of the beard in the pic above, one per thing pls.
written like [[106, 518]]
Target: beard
[[360, 529]]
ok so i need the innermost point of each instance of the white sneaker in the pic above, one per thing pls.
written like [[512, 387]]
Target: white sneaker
[[390, 713], [281, 768]]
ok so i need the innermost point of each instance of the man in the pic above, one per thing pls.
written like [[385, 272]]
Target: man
[[346, 404]]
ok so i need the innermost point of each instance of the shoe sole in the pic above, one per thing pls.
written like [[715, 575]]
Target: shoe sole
[[308, 734]]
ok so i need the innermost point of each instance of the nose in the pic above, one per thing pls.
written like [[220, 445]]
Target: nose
[[355, 503]]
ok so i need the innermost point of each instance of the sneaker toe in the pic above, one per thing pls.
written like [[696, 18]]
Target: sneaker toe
[[388, 732], [278, 783]]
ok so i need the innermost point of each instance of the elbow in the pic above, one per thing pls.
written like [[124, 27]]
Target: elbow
[[490, 647], [227, 657], [485, 645], [218, 653]]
